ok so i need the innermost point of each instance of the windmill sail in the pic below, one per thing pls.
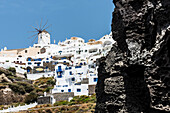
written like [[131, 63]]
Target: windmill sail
[[42, 35]]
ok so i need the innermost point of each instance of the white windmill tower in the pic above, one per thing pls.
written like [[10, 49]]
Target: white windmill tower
[[43, 35]]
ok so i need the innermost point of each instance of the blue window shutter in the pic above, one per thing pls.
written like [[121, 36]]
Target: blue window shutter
[[78, 90], [69, 90]]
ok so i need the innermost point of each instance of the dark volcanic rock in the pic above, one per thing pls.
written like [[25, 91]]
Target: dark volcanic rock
[[135, 75]]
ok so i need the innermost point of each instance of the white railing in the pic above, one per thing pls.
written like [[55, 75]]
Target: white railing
[[18, 108]]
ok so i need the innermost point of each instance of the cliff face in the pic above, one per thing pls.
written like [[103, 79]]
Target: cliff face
[[135, 75]]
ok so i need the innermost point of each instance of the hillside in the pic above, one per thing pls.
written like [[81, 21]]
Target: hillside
[[79, 104], [15, 88]]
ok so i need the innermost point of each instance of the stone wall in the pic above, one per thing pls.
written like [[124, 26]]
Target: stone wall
[[91, 89], [44, 100], [135, 75], [63, 96]]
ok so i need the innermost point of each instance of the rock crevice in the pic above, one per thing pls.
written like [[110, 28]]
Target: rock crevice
[[135, 75]]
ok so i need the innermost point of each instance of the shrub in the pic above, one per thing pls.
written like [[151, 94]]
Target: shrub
[[12, 69], [32, 97], [39, 90], [48, 89], [48, 111], [51, 82], [28, 87], [83, 99], [25, 75], [17, 88], [64, 102]]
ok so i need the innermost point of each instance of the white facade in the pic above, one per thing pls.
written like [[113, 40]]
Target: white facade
[[44, 38], [71, 62]]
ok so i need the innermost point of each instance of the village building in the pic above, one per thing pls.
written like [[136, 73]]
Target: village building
[[72, 62]]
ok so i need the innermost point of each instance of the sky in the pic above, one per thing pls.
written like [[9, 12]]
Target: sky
[[88, 19]]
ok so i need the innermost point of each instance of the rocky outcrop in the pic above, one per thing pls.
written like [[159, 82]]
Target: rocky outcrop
[[11, 87], [135, 75], [3, 78], [7, 96]]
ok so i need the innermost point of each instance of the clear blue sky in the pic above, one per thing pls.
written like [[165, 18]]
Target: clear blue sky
[[89, 19]]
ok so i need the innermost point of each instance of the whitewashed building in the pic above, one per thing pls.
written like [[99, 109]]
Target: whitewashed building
[[71, 62]]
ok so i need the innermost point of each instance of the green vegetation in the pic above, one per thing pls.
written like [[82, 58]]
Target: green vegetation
[[6, 72], [59, 103], [21, 87], [13, 104], [32, 89], [32, 97], [17, 88], [25, 75], [84, 99], [82, 108], [14, 78], [7, 61], [28, 87], [77, 100], [44, 84], [12, 69]]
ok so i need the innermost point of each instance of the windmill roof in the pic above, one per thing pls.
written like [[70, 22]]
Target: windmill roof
[[45, 31]]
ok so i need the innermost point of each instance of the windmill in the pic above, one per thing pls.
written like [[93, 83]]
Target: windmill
[[41, 33]]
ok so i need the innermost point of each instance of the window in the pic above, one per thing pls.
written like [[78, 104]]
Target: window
[[62, 90], [63, 58], [29, 59], [85, 50], [59, 76], [29, 63], [77, 66], [71, 73], [81, 63], [28, 70], [78, 83], [69, 90], [58, 85], [95, 79], [37, 59], [47, 58], [26, 51], [65, 85], [78, 90], [59, 68], [73, 79]]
